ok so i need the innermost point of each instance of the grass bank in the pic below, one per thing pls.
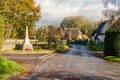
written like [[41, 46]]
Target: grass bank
[[113, 58], [9, 68], [98, 51]]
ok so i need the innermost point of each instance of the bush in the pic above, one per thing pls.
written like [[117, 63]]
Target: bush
[[65, 47], [9, 68], [112, 42], [62, 48], [2, 26]]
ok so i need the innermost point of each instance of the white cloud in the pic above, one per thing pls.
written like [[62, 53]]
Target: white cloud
[[53, 11]]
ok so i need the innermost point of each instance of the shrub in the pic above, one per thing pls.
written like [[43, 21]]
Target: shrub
[[62, 48], [65, 47], [112, 42], [2, 26]]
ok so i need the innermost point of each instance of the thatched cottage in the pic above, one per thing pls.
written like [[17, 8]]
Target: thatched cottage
[[72, 33]]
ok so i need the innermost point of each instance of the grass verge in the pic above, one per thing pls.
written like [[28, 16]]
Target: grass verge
[[113, 58], [9, 68], [95, 48]]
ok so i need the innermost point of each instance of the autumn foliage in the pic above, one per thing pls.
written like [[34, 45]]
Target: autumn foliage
[[19, 14]]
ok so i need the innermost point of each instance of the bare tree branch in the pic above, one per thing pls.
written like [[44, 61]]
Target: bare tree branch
[[109, 12], [114, 2]]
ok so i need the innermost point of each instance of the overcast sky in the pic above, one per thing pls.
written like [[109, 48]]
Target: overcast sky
[[54, 11]]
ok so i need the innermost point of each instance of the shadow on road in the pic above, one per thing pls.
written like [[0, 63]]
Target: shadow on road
[[62, 75]]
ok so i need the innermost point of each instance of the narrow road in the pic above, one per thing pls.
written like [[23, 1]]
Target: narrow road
[[77, 64]]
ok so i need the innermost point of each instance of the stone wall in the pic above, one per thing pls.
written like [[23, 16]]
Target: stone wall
[[8, 46]]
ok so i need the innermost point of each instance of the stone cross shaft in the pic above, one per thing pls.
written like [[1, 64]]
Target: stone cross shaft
[[27, 36], [27, 46]]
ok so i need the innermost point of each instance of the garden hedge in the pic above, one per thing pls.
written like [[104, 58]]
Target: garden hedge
[[2, 26], [112, 42]]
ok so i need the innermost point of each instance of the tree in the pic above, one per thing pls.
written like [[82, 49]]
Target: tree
[[109, 12], [19, 14], [54, 36], [51, 34], [42, 33], [112, 36], [114, 2], [2, 27], [32, 31], [85, 25]]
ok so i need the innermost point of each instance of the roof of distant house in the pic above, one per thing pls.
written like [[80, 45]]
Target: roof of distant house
[[73, 32]]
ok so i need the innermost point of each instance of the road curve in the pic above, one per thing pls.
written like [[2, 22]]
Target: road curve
[[76, 62]]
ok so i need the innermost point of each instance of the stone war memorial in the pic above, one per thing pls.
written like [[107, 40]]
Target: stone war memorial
[[27, 46]]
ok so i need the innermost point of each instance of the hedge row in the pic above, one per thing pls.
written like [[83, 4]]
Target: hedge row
[[112, 42]]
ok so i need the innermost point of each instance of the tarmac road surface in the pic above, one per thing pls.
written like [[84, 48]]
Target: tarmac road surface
[[76, 64]]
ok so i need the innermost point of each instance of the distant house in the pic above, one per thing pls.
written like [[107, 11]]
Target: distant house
[[98, 34], [72, 33]]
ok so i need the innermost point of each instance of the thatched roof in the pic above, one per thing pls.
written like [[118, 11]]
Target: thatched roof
[[72, 33]]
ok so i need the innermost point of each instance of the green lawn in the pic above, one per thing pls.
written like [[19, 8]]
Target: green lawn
[[9, 68], [95, 48], [113, 58]]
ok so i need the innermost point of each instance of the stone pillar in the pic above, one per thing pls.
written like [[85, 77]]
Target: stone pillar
[[27, 46]]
